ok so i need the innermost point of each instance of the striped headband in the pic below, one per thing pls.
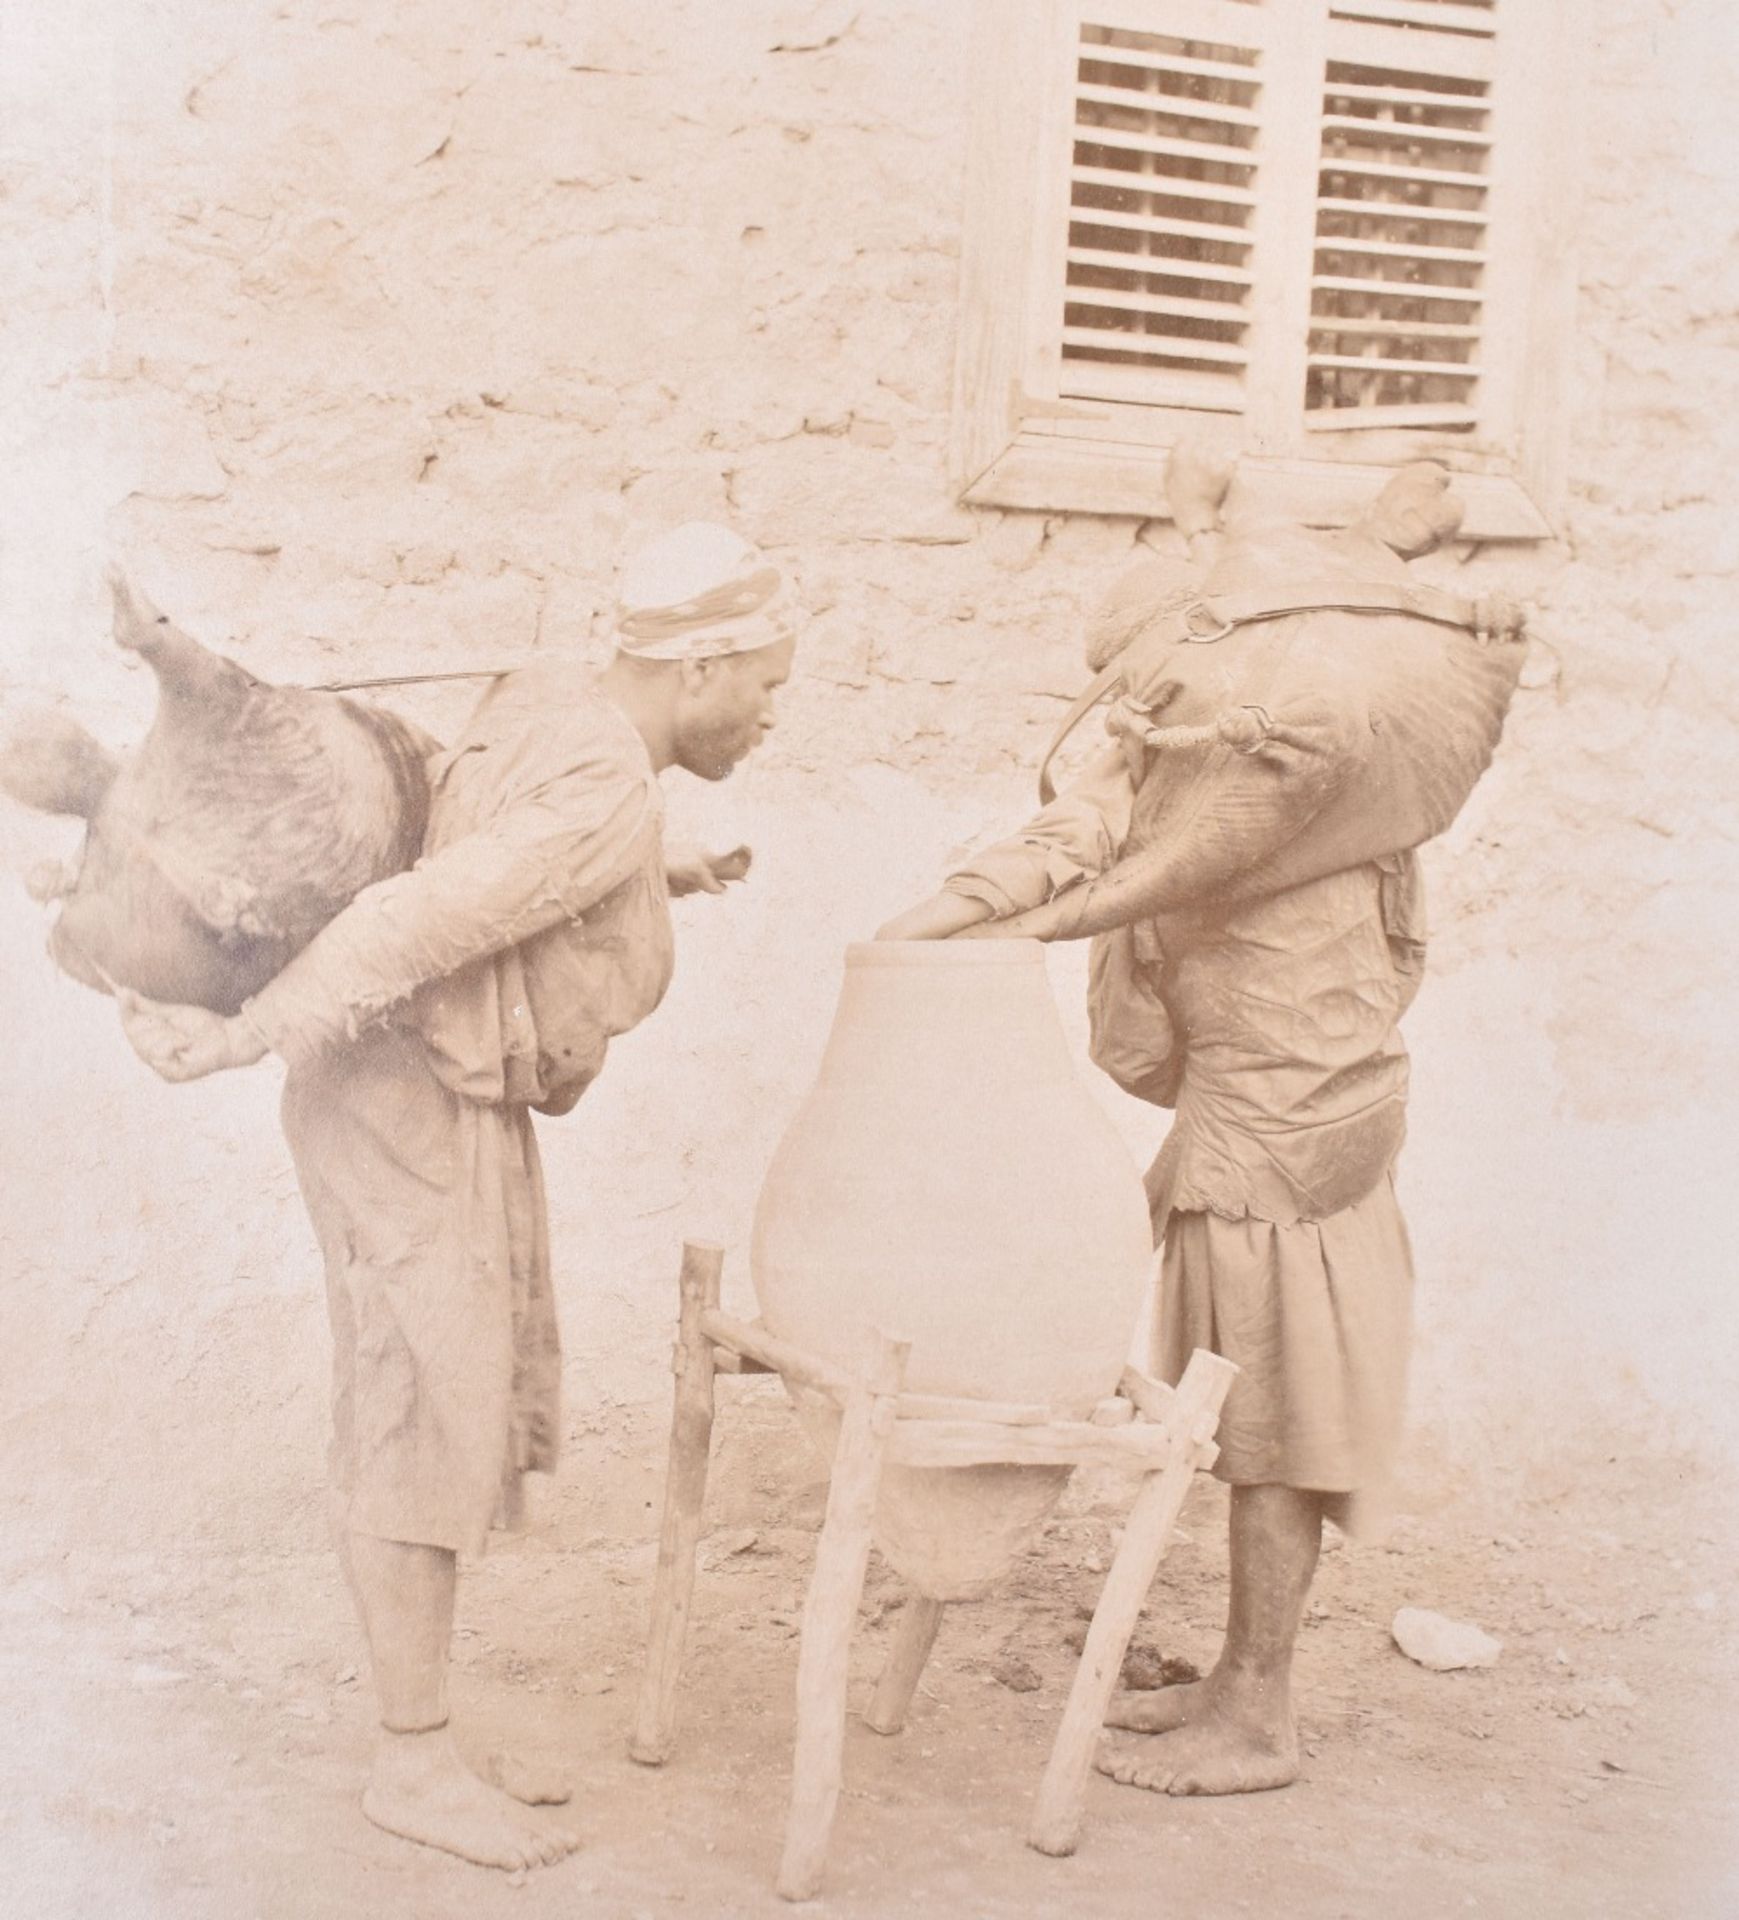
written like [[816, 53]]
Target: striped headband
[[723, 598]]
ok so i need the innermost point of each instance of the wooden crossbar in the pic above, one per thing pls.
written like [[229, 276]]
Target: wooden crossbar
[[1163, 1434]]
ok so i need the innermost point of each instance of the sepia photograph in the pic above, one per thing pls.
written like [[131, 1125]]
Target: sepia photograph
[[869, 878]]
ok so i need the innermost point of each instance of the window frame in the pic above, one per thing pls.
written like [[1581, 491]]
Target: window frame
[[1016, 442]]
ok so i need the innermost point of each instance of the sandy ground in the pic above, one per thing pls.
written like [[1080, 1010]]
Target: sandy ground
[[187, 1734]]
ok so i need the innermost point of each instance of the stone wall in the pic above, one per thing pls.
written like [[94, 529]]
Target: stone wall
[[368, 334]]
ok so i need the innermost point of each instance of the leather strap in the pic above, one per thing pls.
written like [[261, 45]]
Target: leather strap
[[1205, 620], [1103, 683], [1333, 596]]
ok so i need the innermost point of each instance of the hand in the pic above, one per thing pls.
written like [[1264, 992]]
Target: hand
[[690, 870], [1016, 927], [187, 1043], [939, 918]]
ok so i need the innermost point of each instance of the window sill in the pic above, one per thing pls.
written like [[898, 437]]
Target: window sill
[[1045, 472]]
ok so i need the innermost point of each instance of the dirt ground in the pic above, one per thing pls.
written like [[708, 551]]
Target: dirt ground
[[188, 1734]]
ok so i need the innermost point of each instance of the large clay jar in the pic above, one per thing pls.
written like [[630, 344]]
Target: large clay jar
[[951, 1181]]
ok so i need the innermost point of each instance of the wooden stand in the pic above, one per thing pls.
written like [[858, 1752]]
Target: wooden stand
[[1165, 1435]]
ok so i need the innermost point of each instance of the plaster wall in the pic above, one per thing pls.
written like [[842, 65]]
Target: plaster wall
[[367, 335]]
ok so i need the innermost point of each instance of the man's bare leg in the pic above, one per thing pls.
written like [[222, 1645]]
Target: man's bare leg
[[420, 1787], [525, 1780], [1234, 1732]]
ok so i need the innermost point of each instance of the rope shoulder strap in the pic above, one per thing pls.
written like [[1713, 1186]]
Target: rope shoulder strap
[[1205, 620]]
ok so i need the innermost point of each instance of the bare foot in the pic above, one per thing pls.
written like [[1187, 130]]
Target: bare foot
[[528, 1781], [423, 1791], [1161, 1709], [1213, 1754]]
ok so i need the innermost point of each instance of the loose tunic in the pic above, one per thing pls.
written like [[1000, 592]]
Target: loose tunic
[[420, 1026], [1277, 1042]]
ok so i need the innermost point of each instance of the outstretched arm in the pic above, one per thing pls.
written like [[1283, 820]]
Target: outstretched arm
[[940, 917], [540, 863], [1080, 833]]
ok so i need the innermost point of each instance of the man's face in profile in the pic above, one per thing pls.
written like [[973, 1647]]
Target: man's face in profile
[[727, 707]]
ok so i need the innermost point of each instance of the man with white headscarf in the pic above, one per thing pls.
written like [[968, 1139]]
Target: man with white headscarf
[[421, 1027]]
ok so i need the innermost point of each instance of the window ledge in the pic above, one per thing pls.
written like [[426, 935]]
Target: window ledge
[[1047, 473]]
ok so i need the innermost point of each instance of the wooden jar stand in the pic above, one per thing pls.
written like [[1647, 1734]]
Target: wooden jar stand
[[1165, 1435]]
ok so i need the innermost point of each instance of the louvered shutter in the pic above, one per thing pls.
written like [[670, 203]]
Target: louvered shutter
[[1163, 183], [1403, 215], [1321, 224]]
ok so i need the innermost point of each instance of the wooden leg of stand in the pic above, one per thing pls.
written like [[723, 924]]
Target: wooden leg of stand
[[829, 1615], [691, 1425], [1056, 1824], [913, 1639]]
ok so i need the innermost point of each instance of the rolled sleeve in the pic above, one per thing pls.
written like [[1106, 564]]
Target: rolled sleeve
[[539, 864], [1079, 834]]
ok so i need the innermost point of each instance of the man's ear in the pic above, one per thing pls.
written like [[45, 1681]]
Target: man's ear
[[696, 674]]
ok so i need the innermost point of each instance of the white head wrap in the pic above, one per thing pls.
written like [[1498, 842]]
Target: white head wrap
[[698, 592]]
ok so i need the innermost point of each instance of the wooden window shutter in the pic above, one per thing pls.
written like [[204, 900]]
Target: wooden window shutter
[[1322, 226], [1163, 191]]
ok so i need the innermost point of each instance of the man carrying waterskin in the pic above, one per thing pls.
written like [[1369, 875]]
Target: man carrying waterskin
[[421, 1028], [1268, 1020]]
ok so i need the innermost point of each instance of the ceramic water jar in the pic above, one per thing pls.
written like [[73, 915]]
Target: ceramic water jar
[[951, 1180]]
